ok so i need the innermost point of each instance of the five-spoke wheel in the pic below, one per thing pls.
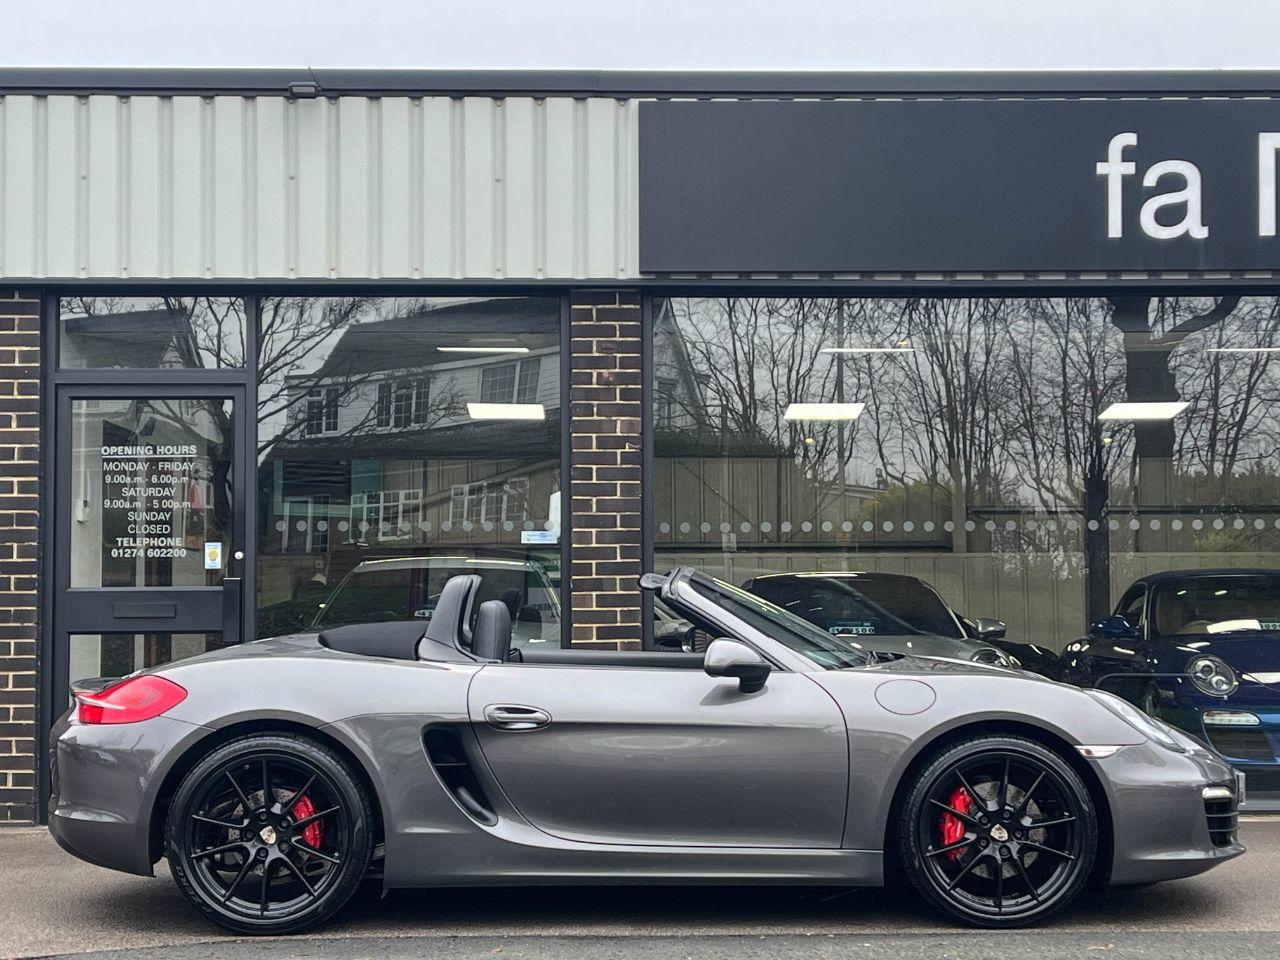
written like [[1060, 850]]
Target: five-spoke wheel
[[998, 831], [269, 834]]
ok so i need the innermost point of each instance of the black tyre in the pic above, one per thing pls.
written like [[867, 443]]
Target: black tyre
[[270, 834], [998, 832]]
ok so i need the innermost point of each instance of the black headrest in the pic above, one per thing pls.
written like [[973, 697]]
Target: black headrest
[[450, 622], [492, 640]]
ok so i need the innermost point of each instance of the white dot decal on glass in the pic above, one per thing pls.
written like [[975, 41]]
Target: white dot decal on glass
[[744, 527], [847, 526], [684, 528], [1071, 525], [446, 526], [948, 526], [989, 525], [1031, 525], [705, 527], [508, 525], [343, 526], [1135, 524], [467, 525], [528, 525], [1175, 524], [725, 528], [928, 526], [1238, 523], [806, 527], [322, 525], [404, 526], [1113, 524], [908, 526], [1219, 523], [1197, 524], [1093, 524], [826, 526], [765, 526], [664, 527], [970, 525], [1155, 524], [364, 526], [1277, 523], [1010, 525], [887, 526], [786, 526], [868, 526], [1053, 525], [1259, 523], [280, 526], [486, 525], [424, 525], [549, 526]]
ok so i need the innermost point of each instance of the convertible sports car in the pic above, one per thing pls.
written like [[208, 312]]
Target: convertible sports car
[[278, 775], [896, 613], [1201, 650]]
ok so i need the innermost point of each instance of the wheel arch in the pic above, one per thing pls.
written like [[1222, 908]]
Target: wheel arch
[[195, 752], [1006, 727]]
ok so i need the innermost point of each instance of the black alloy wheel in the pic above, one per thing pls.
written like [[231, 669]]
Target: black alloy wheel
[[998, 832], [269, 834]]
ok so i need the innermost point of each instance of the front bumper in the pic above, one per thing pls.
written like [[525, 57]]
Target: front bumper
[[105, 781], [1170, 816]]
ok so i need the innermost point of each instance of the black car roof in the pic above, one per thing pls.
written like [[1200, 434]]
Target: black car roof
[[1164, 576]]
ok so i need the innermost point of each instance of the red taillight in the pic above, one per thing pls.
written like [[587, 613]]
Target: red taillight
[[138, 699]]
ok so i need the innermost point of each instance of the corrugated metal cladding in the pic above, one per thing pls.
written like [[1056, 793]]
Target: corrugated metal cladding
[[136, 187]]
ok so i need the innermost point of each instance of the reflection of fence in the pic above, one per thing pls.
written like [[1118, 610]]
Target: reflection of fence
[[1040, 596]]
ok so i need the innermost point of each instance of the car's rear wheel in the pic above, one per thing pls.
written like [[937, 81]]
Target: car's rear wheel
[[270, 834], [998, 832]]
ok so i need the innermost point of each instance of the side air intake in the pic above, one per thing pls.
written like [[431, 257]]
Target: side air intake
[[444, 750]]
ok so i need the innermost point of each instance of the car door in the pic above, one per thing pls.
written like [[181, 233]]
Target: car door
[[645, 754]]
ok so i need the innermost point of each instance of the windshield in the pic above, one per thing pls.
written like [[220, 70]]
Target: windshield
[[382, 591], [1212, 605], [786, 628], [870, 605]]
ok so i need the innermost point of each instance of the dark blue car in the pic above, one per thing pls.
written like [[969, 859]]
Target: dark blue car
[[1199, 649]]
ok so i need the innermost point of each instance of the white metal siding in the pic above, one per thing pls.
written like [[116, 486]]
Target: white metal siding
[[352, 188]]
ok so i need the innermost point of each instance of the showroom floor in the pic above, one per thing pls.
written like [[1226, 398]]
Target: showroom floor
[[53, 904]]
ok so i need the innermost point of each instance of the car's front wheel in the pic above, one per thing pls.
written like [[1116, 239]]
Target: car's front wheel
[[270, 834], [998, 832]]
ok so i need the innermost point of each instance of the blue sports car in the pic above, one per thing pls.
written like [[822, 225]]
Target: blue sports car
[[1199, 649]]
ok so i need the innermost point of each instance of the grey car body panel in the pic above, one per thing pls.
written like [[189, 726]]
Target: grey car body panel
[[643, 774]]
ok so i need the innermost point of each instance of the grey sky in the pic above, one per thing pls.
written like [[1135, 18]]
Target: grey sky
[[655, 34]]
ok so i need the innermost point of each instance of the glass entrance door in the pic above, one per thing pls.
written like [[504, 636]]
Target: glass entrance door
[[151, 526]]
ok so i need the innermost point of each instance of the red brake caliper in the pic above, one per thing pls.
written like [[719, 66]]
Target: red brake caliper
[[952, 826], [311, 833]]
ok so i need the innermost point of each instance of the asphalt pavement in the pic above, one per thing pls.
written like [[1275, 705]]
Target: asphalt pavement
[[51, 904]]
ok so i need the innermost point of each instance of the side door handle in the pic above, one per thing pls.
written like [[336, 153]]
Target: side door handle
[[509, 716]]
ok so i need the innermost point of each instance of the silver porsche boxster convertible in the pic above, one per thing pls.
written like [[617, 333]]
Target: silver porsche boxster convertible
[[279, 775]]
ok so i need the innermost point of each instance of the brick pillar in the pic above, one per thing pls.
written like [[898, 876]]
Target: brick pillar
[[19, 546], [605, 465]]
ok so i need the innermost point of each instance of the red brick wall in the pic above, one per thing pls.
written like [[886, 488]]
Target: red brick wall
[[605, 465], [19, 546]]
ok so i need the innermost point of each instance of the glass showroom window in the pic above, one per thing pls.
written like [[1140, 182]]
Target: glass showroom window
[[405, 392], [151, 332], [1030, 458]]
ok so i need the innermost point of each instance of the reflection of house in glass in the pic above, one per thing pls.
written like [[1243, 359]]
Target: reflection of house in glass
[[381, 449]]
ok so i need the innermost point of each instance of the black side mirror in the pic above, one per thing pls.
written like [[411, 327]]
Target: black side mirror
[[1114, 627], [729, 658], [988, 629]]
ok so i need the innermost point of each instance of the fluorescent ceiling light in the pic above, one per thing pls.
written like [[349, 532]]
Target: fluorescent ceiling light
[[1144, 411], [824, 411], [483, 349], [867, 350], [1243, 350], [507, 411]]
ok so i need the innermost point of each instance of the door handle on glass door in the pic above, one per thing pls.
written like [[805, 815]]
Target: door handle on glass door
[[505, 716]]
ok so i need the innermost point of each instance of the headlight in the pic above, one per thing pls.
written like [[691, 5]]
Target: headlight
[[1213, 676], [990, 656], [1153, 730]]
